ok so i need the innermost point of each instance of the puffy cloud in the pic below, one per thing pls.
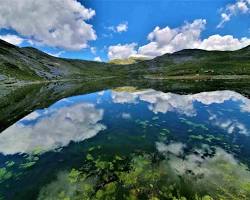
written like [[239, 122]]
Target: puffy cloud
[[121, 51], [56, 23], [13, 39], [226, 42], [169, 40], [98, 59], [123, 27], [240, 6], [52, 129]]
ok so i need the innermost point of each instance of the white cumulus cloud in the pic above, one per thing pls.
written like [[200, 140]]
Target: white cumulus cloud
[[240, 6], [169, 40], [13, 39], [56, 23], [227, 42], [121, 51], [123, 27]]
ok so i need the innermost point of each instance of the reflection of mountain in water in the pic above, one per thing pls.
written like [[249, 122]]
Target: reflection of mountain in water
[[72, 119], [157, 144], [165, 102], [160, 102]]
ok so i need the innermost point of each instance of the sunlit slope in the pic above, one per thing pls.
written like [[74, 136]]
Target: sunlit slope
[[200, 62], [127, 61], [29, 64]]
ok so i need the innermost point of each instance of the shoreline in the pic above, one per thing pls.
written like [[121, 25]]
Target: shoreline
[[198, 77]]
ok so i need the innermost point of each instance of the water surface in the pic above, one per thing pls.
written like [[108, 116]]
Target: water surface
[[130, 144]]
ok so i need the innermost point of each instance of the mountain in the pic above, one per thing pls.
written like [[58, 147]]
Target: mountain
[[127, 61], [200, 62], [29, 64]]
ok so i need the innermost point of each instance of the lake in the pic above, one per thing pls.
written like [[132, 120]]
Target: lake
[[130, 143]]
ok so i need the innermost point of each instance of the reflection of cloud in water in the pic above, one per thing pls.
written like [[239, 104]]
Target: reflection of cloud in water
[[101, 93], [126, 116], [174, 148], [74, 123], [230, 125], [32, 116], [212, 170], [165, 102], [183, 104], [194, 162], [123, 97]]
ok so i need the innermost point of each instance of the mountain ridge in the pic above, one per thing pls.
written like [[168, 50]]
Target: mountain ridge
[[31, 64]]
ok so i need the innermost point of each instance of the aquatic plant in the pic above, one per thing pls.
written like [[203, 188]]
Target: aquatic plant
[[145, 178], [29, 161], [210, 171], [192, 124], [5, 174], [9, 164]]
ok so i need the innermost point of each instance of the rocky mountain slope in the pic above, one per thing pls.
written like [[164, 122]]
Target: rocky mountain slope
[[30, 64]]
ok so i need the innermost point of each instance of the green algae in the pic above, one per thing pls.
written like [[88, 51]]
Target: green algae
[[74, 175], [108, 192], [89, 157], [37, 151], [117, 157], [103, 165], [69, 185], [27, 164], [196, 137], [9, 164], [155, 118], [30, 160], [147, 178], [91, 149], [5, 174], [192, 124], [141, 172]]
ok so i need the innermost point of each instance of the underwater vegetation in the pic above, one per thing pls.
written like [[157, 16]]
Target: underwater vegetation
[[203, 174], [130, 144]]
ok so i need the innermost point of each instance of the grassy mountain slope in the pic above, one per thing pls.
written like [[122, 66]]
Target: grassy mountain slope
[[30, 64], [127, 61], [200, 62]]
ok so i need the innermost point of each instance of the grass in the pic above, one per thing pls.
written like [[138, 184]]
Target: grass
[[29, 64]]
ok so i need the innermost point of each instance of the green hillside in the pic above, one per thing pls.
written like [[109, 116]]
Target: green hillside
[[200, 62], [29, 64], [127, 61]]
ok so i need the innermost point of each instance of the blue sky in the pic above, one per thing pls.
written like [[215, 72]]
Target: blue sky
[[139, 18]]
